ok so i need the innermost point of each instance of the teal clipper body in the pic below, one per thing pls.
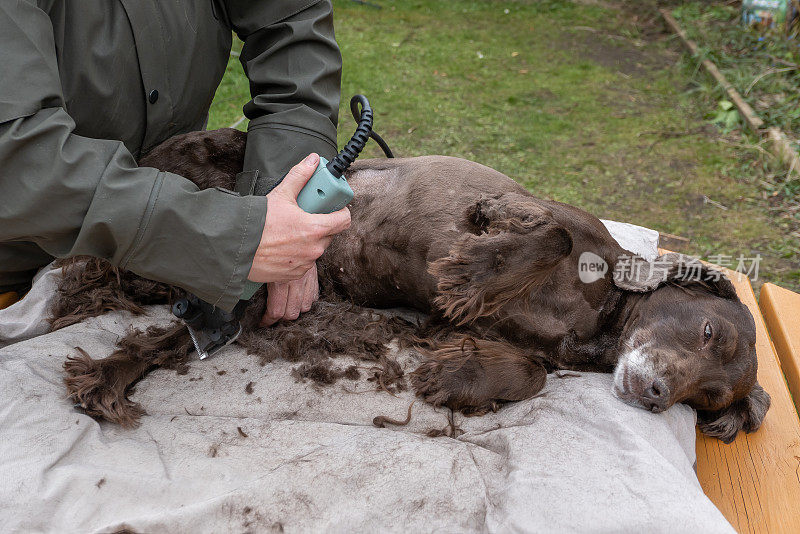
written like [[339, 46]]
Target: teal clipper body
[[323, 193]]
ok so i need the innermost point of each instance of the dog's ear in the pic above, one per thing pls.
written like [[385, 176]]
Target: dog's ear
[[507, 212], [706, 278], [633, 273], [745, 414], [515, 245]]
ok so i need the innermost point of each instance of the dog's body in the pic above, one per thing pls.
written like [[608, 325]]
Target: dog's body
[[501, 267], [446, 234]]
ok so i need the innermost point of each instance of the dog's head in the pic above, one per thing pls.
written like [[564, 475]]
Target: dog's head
[[690, 339]]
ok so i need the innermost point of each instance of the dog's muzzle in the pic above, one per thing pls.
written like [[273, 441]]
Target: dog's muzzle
[[637, 383]]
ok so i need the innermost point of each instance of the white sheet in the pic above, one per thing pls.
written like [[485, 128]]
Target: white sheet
[[573, 460]]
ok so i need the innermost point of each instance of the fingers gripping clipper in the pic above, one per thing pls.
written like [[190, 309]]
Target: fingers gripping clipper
[[327, 191]]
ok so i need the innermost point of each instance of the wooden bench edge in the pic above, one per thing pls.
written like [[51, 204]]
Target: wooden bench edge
[[780, 308]]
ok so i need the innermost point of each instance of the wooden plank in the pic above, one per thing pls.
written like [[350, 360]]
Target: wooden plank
[[7, 299], [675, 243], [755, 481], [781, 310]]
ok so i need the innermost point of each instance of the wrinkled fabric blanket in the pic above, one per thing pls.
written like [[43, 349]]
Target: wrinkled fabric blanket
[[237, 447]]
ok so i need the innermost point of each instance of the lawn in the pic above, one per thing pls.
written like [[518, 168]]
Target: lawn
[[576, 101]]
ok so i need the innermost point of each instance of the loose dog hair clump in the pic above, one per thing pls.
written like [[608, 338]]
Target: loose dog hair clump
[[331, 328]]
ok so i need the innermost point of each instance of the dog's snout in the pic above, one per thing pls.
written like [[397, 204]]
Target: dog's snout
[[656, 397]]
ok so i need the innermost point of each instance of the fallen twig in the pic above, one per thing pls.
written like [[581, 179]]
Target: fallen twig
[[670, 134], [783, 61], [707, 200], [781, 146], [239, 121]]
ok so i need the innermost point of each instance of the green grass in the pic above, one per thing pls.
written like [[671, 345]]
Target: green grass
[[565, 99], [765, 69], [231, 94]]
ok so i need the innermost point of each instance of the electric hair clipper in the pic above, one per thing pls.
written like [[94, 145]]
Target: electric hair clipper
[[327, 191]]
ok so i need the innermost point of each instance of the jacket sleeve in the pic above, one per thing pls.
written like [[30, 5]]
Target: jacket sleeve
[[74, 195], [294, 66]]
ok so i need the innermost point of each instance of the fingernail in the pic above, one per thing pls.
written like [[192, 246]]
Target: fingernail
[[312, 160]]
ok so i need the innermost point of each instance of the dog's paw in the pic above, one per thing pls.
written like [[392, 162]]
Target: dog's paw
[[441, 385], [431, 384], [91, 385], [743, 415]]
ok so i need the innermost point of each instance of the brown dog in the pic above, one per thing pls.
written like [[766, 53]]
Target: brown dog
[[500, 268]]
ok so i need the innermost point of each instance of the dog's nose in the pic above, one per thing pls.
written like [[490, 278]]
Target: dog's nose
[[656, 396]]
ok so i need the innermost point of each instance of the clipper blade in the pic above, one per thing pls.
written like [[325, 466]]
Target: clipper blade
[[206, 346]]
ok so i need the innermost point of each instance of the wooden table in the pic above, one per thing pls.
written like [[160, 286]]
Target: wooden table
[[755, 481]]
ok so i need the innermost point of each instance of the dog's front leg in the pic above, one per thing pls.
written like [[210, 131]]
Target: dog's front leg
[[477, 376]]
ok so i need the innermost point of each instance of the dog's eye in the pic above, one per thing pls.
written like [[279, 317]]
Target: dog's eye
[[707, 332]]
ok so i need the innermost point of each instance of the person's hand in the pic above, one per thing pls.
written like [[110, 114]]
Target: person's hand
[[292, 239], [287, 300]]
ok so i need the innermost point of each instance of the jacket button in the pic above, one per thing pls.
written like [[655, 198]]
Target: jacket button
[[153, 96]]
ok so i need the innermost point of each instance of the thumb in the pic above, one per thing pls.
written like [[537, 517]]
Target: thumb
[[297, 177], [333, 223]]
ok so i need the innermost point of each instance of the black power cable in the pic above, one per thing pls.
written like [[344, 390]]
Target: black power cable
[[363, 133]]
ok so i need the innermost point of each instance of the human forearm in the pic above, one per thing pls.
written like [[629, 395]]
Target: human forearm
[[72, 195], [294, 65]]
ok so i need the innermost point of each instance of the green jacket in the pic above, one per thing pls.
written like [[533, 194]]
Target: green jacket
[[87, 86]]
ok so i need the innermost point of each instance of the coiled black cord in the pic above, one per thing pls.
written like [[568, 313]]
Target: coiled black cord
[[353, 148], [377, 138]]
